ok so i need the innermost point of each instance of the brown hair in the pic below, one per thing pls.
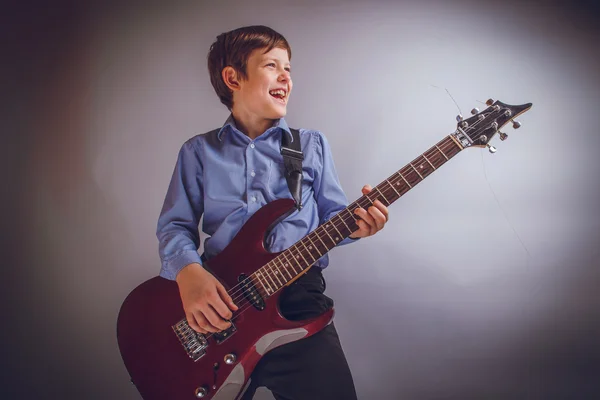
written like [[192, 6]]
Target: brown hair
[[233, 49]]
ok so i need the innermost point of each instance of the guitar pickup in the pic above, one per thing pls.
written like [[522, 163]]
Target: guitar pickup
[[220, 337], [251, 292]]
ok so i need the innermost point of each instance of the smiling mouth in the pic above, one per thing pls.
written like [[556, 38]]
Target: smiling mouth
[[279, 94]]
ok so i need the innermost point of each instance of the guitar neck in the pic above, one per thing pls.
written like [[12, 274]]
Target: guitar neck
[[292, 262]]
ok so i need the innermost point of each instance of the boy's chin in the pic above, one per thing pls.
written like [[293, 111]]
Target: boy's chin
[[280, 112]]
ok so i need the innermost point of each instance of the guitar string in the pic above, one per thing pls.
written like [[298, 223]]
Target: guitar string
[[386, 190], [450, 144], [235, 290], [244, 304], [389, 191]]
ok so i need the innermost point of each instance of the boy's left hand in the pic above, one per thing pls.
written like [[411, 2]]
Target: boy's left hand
[[371, 221]]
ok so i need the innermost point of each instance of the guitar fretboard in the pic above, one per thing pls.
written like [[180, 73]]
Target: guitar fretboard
[[305, 252]]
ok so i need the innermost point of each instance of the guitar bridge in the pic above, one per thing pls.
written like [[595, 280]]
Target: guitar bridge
[[194, 343]]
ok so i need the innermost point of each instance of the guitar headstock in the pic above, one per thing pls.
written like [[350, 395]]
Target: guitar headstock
[[479, 129]]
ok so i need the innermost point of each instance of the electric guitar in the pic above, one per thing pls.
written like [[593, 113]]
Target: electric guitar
[[167, 360]]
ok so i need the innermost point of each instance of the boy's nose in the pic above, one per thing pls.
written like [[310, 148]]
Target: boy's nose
[[284, 75]]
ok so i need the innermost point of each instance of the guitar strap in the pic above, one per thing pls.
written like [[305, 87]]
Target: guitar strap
[[292, 160]]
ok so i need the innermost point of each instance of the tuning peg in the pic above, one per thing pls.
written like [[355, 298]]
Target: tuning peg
[[491, 148], [475, 111], [459, 117], [503, 136], [489, 102], [516, 124]]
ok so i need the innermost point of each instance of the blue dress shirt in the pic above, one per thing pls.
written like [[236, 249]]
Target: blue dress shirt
[[226, 176]]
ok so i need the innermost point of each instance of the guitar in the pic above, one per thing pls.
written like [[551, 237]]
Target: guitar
[[166, 359]]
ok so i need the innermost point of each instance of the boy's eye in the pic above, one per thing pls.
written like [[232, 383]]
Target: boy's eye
[[288, 69]]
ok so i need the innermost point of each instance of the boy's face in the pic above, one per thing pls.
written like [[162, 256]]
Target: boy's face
[[258, 96]]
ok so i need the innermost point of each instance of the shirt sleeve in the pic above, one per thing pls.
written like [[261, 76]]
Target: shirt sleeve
[[329, 195], [177, 228]]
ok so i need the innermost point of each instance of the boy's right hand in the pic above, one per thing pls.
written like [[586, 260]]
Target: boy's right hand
[[205, 301]]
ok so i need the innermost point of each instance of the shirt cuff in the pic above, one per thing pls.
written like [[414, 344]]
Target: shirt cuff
[[171, 267]]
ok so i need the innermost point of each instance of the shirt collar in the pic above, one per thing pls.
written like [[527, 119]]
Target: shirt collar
[[280, 123]]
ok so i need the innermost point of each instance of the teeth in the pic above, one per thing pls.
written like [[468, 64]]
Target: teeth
[[280, 92]]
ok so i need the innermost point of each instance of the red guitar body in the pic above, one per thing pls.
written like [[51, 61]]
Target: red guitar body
[[160, 366]]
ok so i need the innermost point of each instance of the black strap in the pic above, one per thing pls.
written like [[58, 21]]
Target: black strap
[[292, 159]]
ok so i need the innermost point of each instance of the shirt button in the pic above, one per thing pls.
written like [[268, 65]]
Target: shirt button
[[252, 173], [252, 145], [254, 198]]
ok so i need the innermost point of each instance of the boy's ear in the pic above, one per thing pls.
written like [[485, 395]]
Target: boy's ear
[[230, 77]]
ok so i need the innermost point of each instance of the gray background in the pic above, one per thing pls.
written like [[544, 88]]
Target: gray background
[[484, 284]]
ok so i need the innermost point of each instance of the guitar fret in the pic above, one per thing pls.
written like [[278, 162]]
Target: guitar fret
[[289, 263], [265, 289], [286, 269], [308, 251], [277, 268], [282, 265], [369, 202], [344, 222], [446, 157], [300, 253], [456, 141], [425, 157], [277, 273], [416, 171], [433, 158], [402, 176], [333, 241], [271, 279], [393, 188], [261, 283], [268, 287], [336, 229], [386, 200], [313, 245], [353, 218], [272, 275], [326, 247]]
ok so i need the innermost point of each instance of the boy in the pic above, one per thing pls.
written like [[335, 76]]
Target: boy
[[227, 175]]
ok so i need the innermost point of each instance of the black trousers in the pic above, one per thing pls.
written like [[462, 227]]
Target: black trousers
[[313, 368]]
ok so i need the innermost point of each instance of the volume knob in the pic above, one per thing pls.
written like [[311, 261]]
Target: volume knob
[[230, 358]]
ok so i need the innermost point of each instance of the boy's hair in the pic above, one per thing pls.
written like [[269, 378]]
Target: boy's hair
[[233, 49]]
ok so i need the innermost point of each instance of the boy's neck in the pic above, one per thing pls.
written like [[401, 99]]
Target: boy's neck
[[251, 126]]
